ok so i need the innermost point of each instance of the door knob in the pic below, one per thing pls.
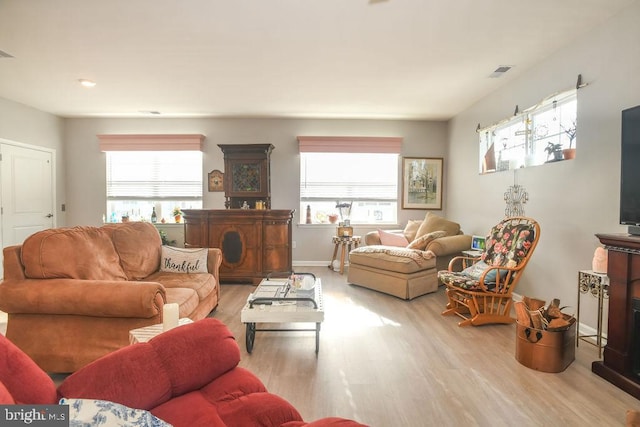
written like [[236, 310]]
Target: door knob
[[50, 215]]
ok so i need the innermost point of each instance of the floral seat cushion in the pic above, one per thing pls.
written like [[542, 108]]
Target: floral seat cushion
[[469, 278], [507, 245]]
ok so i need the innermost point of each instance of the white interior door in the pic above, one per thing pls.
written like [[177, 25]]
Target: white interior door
[[27, 197]]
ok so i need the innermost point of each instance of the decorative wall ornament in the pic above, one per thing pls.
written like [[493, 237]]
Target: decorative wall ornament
[[515, 197], [216, 180]]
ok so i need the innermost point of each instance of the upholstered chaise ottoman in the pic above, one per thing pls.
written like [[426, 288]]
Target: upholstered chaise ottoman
[[401, 272]]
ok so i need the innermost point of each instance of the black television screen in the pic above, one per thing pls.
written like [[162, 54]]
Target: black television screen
[[630, 169]]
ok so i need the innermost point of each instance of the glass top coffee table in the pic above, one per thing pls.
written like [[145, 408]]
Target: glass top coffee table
[[277, 301]]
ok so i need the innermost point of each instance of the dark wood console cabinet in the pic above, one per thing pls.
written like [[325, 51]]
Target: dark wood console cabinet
[[254, 242], [621, 353]]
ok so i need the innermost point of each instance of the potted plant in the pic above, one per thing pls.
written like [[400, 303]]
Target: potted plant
[[177, 214], [165, 238], [570, 153], [554, 150]]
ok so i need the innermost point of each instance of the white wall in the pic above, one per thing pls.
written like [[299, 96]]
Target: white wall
[[23, 124], [86, 165], [572, 200]]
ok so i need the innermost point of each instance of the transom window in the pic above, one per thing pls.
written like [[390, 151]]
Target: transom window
[[540, 134]]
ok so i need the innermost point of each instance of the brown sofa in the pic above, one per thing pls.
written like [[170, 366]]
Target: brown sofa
[[404, 263], [73, 294]]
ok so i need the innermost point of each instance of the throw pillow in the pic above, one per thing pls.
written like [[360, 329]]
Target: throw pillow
[[392, 239], [81, 252], [88, 412], [423, 241], [138, 245], [433, 222], [180, 260], [476, 270], [411, 229]]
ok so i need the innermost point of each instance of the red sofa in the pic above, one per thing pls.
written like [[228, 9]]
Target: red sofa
[[187, 376]]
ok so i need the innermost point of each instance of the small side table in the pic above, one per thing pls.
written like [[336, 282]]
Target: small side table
[[144, 334], [346, 242], [596, 284], [471, 253]]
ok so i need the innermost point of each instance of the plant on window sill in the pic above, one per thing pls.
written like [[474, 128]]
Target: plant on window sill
[[554, 150], [165, 239], [570, 153]]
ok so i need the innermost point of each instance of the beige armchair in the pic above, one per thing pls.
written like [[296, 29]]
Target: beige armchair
[[445, 248], [404, 263]]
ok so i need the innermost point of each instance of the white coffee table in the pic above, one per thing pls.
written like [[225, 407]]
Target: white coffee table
[[272, 302], [145, 333]]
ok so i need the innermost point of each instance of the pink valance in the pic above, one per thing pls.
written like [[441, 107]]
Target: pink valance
[[350, 144], [146, 142]]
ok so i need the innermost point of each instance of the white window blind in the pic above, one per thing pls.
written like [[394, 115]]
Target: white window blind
[[350, 176], [362, 170], [154, 175]]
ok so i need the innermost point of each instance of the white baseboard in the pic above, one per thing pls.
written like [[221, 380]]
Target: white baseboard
[[300, 266], [310, 263]]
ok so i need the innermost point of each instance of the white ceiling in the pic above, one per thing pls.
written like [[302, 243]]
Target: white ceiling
[[407, 59]]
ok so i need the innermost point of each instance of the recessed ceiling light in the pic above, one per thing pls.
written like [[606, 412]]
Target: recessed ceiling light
[[86, 83]]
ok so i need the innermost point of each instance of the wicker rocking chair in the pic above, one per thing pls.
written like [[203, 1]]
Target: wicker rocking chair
[[482, 292]]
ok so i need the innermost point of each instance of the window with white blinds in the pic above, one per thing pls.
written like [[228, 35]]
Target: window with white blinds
[[154, 175], [363, 171], [140, 181], [351, 176]]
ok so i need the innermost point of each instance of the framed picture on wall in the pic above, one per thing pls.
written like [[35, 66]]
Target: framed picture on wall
[[422, 183]]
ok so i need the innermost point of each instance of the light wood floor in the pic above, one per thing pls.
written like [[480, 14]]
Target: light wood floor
[[393, 363], [388, 362]]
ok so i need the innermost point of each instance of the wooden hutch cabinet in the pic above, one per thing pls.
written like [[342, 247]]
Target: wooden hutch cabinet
[[254, 242], [247, 174]]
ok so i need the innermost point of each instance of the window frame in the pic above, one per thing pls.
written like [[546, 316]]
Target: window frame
[[524, 146], [324, 204], [140, 207]]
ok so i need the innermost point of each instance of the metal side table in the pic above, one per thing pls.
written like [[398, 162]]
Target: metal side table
[[596, 284]]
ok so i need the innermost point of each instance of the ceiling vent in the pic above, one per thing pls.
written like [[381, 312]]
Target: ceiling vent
[[5, 55], [499, 72]]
